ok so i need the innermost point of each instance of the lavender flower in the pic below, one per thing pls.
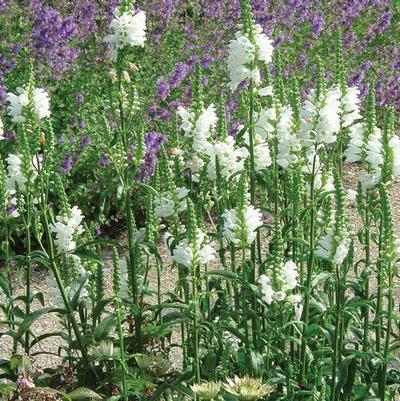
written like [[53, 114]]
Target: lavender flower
[[153, 142]]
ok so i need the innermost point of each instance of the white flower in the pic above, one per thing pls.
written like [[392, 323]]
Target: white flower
[[127, 29], [266, 289], [333, 246], [290, 274], [243, 54], [66, 229], [394, 144], [264, 45], [186, 253], [266, 91], [17, 102], [232, 340], [320, 119], [341, 253], [41, 103], [353, 151], [15, 178], [230, 158], [187, 119], [374, 151], [1, 130], [280, 289], [262, 157], [240, 225], [351, 195], [165, 205], [201, 129], [350, 106], [278, 122]]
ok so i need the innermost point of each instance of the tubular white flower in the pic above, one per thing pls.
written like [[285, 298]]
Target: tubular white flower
[[128, 29], [266, 289], [17, 103], [353, 152], [201, 129], [186, 253], [243, 55], [165, 205], [277, 121], [15, 177], [320, 119], [290, 274], [263, 44], [280, 290], [230, 158], [241, 225], [1, 130], [394, 144], [66, 229], [333, 246], [350, 106]]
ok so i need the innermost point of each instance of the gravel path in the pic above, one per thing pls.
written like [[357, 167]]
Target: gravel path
[[50, 322]]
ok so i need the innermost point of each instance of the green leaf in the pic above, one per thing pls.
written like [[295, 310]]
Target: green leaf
[[32, 317], [343, 373], [226, 274], [81, 282], [104, 328], [4, 286], [82, 393]]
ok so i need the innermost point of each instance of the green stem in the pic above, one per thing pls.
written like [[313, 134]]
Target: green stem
[[133, 272], [310, 270], [28, 267], [367, 266], [196, 323], [252, 201], [122, 350]]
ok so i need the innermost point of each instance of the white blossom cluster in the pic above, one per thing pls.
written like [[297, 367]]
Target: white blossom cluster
[[244, 55], [199, 129], [128, 29], [166, 205], [278, 122], [320, 119], [66, 229], [333, 246], [281, 290], [370, 150], [200, 252], [231, 158], [240, 225], [17, 102], [350, 101]]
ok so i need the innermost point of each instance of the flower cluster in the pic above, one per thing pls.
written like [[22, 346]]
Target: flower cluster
[[128, 29], [166, 204], [244, 53], [334, 246], [240, 225], [66, 228], [17, 103], [278, 287], [187, 253]]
